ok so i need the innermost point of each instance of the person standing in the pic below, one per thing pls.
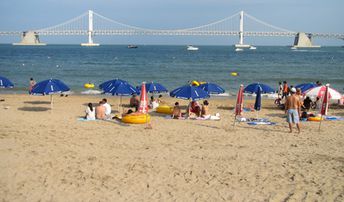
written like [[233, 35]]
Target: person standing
[[285, 90], [280, 89], [292, 109], [32, 83]]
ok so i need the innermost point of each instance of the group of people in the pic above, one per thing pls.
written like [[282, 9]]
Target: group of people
[[193, 110], [294, 103], [102, 111]]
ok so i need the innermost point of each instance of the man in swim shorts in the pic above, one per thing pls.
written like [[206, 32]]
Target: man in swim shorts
[[292, 109]]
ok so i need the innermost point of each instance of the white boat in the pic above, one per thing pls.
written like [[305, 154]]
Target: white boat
[[239, 49], [253, 48], [191, 48]]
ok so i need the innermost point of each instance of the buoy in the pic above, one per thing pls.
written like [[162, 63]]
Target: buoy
[[195, 83], [89, 85], [234, 74]]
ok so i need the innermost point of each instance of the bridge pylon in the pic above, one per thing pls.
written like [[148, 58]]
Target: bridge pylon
[[90, 31], [241, 33]]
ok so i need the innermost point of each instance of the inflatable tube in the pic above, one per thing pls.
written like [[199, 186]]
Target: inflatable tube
[[234, 74], [136, 118], [164, 109], [195, 83], [202, 82], [317, 118], [89, 85]]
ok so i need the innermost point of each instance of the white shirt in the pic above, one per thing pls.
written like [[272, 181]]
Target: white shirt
[[107, 108], [90, 115]]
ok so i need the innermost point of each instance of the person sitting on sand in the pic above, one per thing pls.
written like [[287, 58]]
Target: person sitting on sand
[[107, 108], [90, 112], [292, 109], [100, 111], [160, 100], [205, 109], [153, 103], [130, 111], [307, 104], [134, 102], [32, 83], [176, 113], [194, 109]]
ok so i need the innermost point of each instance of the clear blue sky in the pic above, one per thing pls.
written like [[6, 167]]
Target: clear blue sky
[[297, 15]]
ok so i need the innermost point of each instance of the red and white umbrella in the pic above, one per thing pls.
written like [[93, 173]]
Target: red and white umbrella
[[239, 101], [143, 108], [320, 91], [324, 103]]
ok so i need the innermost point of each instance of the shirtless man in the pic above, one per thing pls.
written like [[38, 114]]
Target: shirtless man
[[205, 109], [292, 109], [100, 111]]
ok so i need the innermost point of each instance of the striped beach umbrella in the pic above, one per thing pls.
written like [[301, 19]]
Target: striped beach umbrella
[[320, 91]]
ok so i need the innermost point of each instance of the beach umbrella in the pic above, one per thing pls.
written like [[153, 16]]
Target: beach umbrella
[[153, 87], [49, 87], [320, 91], [113, 82], [118, 87], [5, 82], [324, 103], [253, 88], [239, 103], [189, 92], [258, 101], [306, 86], [143, 108], [212, 88]]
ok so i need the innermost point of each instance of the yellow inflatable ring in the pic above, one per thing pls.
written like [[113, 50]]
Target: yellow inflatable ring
[[164, 109], [317, 118], [138, 118], [89, 85], [202, 82], [234, 74], [195, 83]]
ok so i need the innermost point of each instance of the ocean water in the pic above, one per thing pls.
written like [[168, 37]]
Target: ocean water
[[171, 66]]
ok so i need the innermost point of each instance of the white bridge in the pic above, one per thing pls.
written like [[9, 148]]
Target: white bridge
[[94, 24]]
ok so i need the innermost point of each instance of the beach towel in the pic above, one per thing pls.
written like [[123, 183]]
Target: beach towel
[[334, 118], [254, 123]]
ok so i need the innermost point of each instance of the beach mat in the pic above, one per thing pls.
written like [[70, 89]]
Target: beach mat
[[254, 123], [334, 118]]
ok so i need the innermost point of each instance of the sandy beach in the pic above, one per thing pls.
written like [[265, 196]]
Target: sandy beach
[[48, 155]]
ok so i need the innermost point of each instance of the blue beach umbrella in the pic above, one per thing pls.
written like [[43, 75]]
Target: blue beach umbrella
[[49, 87], [118, 87], [5, 83], [258, 102], [253, 88], [153, 87], [212, 88], [113, 82], [306, 86], [189, 92]]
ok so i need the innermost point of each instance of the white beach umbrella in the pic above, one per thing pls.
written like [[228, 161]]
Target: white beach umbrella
[[320, 91]]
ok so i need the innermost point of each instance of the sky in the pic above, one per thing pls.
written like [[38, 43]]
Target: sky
[[298, 15]]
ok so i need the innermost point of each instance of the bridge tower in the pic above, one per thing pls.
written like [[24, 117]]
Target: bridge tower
[[90, 31], [241, 33]]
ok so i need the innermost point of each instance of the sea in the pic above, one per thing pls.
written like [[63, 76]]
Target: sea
[[172, 66]]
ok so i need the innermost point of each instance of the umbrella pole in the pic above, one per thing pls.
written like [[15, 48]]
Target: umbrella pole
[[51, 101], [320, 123], [120, 103]]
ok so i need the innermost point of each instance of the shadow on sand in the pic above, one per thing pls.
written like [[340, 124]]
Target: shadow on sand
[[34, 109], [37, 102]]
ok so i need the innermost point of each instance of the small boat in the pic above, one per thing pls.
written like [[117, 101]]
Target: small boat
[[239, 49], [192, 48], [253, 48], [132, 46]]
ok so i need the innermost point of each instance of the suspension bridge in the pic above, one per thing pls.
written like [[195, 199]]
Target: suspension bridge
[[93, 24]]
